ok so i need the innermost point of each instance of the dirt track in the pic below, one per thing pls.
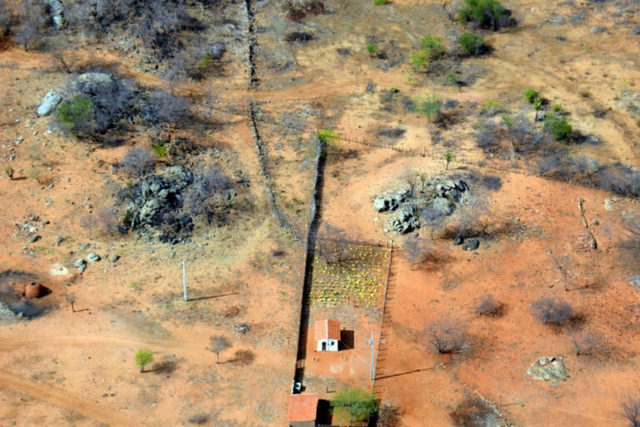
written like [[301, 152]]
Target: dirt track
[[63, 399]]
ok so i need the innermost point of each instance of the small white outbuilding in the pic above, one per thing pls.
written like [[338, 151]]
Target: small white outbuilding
[[327, 333]]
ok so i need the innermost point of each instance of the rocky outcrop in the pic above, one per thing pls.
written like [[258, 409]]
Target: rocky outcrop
[[155, 201], [550, 369], [406, 221], [390, 202]]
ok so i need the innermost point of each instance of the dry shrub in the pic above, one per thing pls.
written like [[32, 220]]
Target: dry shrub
[[474, 412], [552, 312], [488, 306]]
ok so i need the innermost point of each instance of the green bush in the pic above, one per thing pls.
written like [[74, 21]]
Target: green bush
[[419, 60], [557, 126], [160, 150], [471, 44], [75, 115], [429, 106], [531, 95], [360, 404], [433, 46], [485, 13], [380, 2], [557, 108], [205, 62], [371, 48]]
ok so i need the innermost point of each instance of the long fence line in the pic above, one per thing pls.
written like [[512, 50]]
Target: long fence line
[[262, 160], [310, 247], [384, 306]]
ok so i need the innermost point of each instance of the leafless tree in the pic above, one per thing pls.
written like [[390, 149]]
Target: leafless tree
[[552, 312], [219, 343], [108, 219], [137, 162], [448, 336], [389, 415], [591, 344], [419, 251], [488, 306], [33, 23], [631, 410], [89, 222]]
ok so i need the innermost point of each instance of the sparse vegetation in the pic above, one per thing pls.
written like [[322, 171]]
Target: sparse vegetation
[[143, 357], [552, 312], [380, 2]]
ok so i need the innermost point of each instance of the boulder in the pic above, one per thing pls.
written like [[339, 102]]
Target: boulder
[[471, 244], [93, 83], [406, 221], [93, 257], [218, 49], [540, 116], [49, 103], [598, 29], [442, 205], [56, 11], [550, 369], [381, 204]]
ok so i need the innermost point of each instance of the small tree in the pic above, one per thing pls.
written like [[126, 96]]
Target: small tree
[[448, 157], [530, 94], [360, 404], [143, 357], [219, 343]]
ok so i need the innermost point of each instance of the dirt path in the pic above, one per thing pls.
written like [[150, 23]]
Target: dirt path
[[63, 399], [9, 344]]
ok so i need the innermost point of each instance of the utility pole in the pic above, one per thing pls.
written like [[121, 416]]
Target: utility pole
[[372, 373], [184, 279]]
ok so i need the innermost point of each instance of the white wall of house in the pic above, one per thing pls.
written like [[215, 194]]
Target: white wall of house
[[327, 345]]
